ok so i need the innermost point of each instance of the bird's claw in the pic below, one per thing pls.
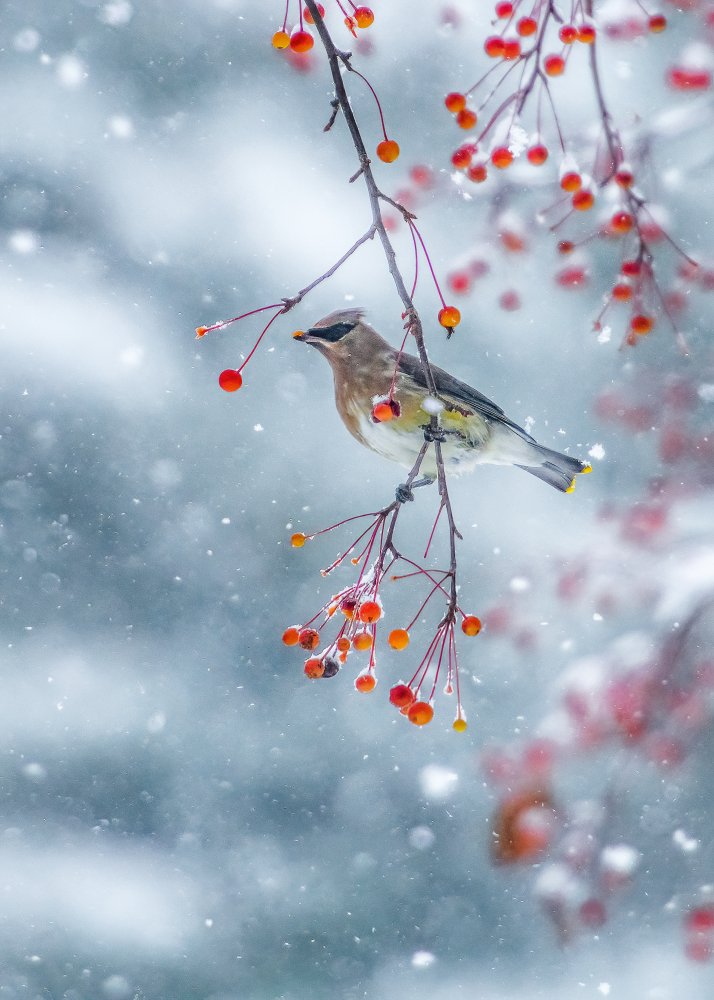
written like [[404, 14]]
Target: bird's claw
[[404, 493], [432, 433]]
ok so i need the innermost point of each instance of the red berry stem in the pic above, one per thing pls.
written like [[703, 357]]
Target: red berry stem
[[413, 227], [374, 95]]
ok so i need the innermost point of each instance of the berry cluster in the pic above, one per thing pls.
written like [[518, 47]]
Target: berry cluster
[[299, 40], [359, 610], [526, 45]]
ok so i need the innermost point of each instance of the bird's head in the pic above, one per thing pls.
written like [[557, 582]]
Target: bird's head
[[335, 334]]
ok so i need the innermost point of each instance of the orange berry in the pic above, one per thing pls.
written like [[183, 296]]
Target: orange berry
[[477, 173], [301, 41], [362, 641], [201, 331], [343, 644], [455, 102], [537, 154], [459, 724], [554, 65], [351, 25], [466, 118], [280, 40], [401, 696], [291, 636], [309, 638], [586, 34], [621, 292], [230, 380], [298, 540], [583, 200], [388, 150], [511, 49], [363, 16], [471, 625], [308, 16], [571, 181], [527, 26], [449, 317], [494, 46], [567, 34], [365, 682], [398, 638], [621, 222], [501, 157], [314, 668], [369, 612], [657, 23], [382, 412], [641, 324], [420, 712]]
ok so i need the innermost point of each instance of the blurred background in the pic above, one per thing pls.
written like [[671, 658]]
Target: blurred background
[[184, 815]]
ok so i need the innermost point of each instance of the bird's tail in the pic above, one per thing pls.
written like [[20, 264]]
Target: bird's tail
[[556, 469]]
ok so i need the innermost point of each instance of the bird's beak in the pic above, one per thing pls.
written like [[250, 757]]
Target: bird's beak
[[299, 335]]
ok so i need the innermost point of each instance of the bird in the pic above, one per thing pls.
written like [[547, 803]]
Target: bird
[[472, 429]]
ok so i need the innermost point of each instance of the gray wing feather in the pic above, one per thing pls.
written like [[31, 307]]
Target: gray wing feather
[[453, 388]]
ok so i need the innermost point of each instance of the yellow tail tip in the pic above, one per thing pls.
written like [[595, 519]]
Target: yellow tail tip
[[571, 488], [588, 468]]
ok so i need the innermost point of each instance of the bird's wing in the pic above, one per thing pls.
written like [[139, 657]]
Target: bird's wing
[[454, 390]]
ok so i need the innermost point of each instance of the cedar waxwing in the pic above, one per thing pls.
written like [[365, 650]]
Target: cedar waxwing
[[473, 429]]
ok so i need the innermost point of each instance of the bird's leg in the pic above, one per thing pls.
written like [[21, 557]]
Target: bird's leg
[[405, 490], [432, 432]]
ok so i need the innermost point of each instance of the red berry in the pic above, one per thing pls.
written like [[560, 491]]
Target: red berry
[[511, 49], [471, 625], [504, 10], [621, 292], [657, 23], [401, 696], [509, 301], [477, 173], [455, 102], [700, 920], [309, 638], [592, 913], [308, 16], [586, 34], [301, 41], [388, 150], [369, 612], [420, 713], [624, 176], [365, 682], [621, 222], [572, 277], [314, 668], [291, 636], [567, 34], [449, 317], [385, 410], [230, 380], [566, 247], [398, 638], [459, 282], [554, 65], [641, 324], [583, 199], [631, 268], [571, 180], [364, 16], [461, 157], [494, 46], [689, 79], [466, 118], [527, 26], [501, 157], [537, 154]]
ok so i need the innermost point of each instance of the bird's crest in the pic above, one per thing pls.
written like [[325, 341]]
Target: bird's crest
[[349, 316]]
